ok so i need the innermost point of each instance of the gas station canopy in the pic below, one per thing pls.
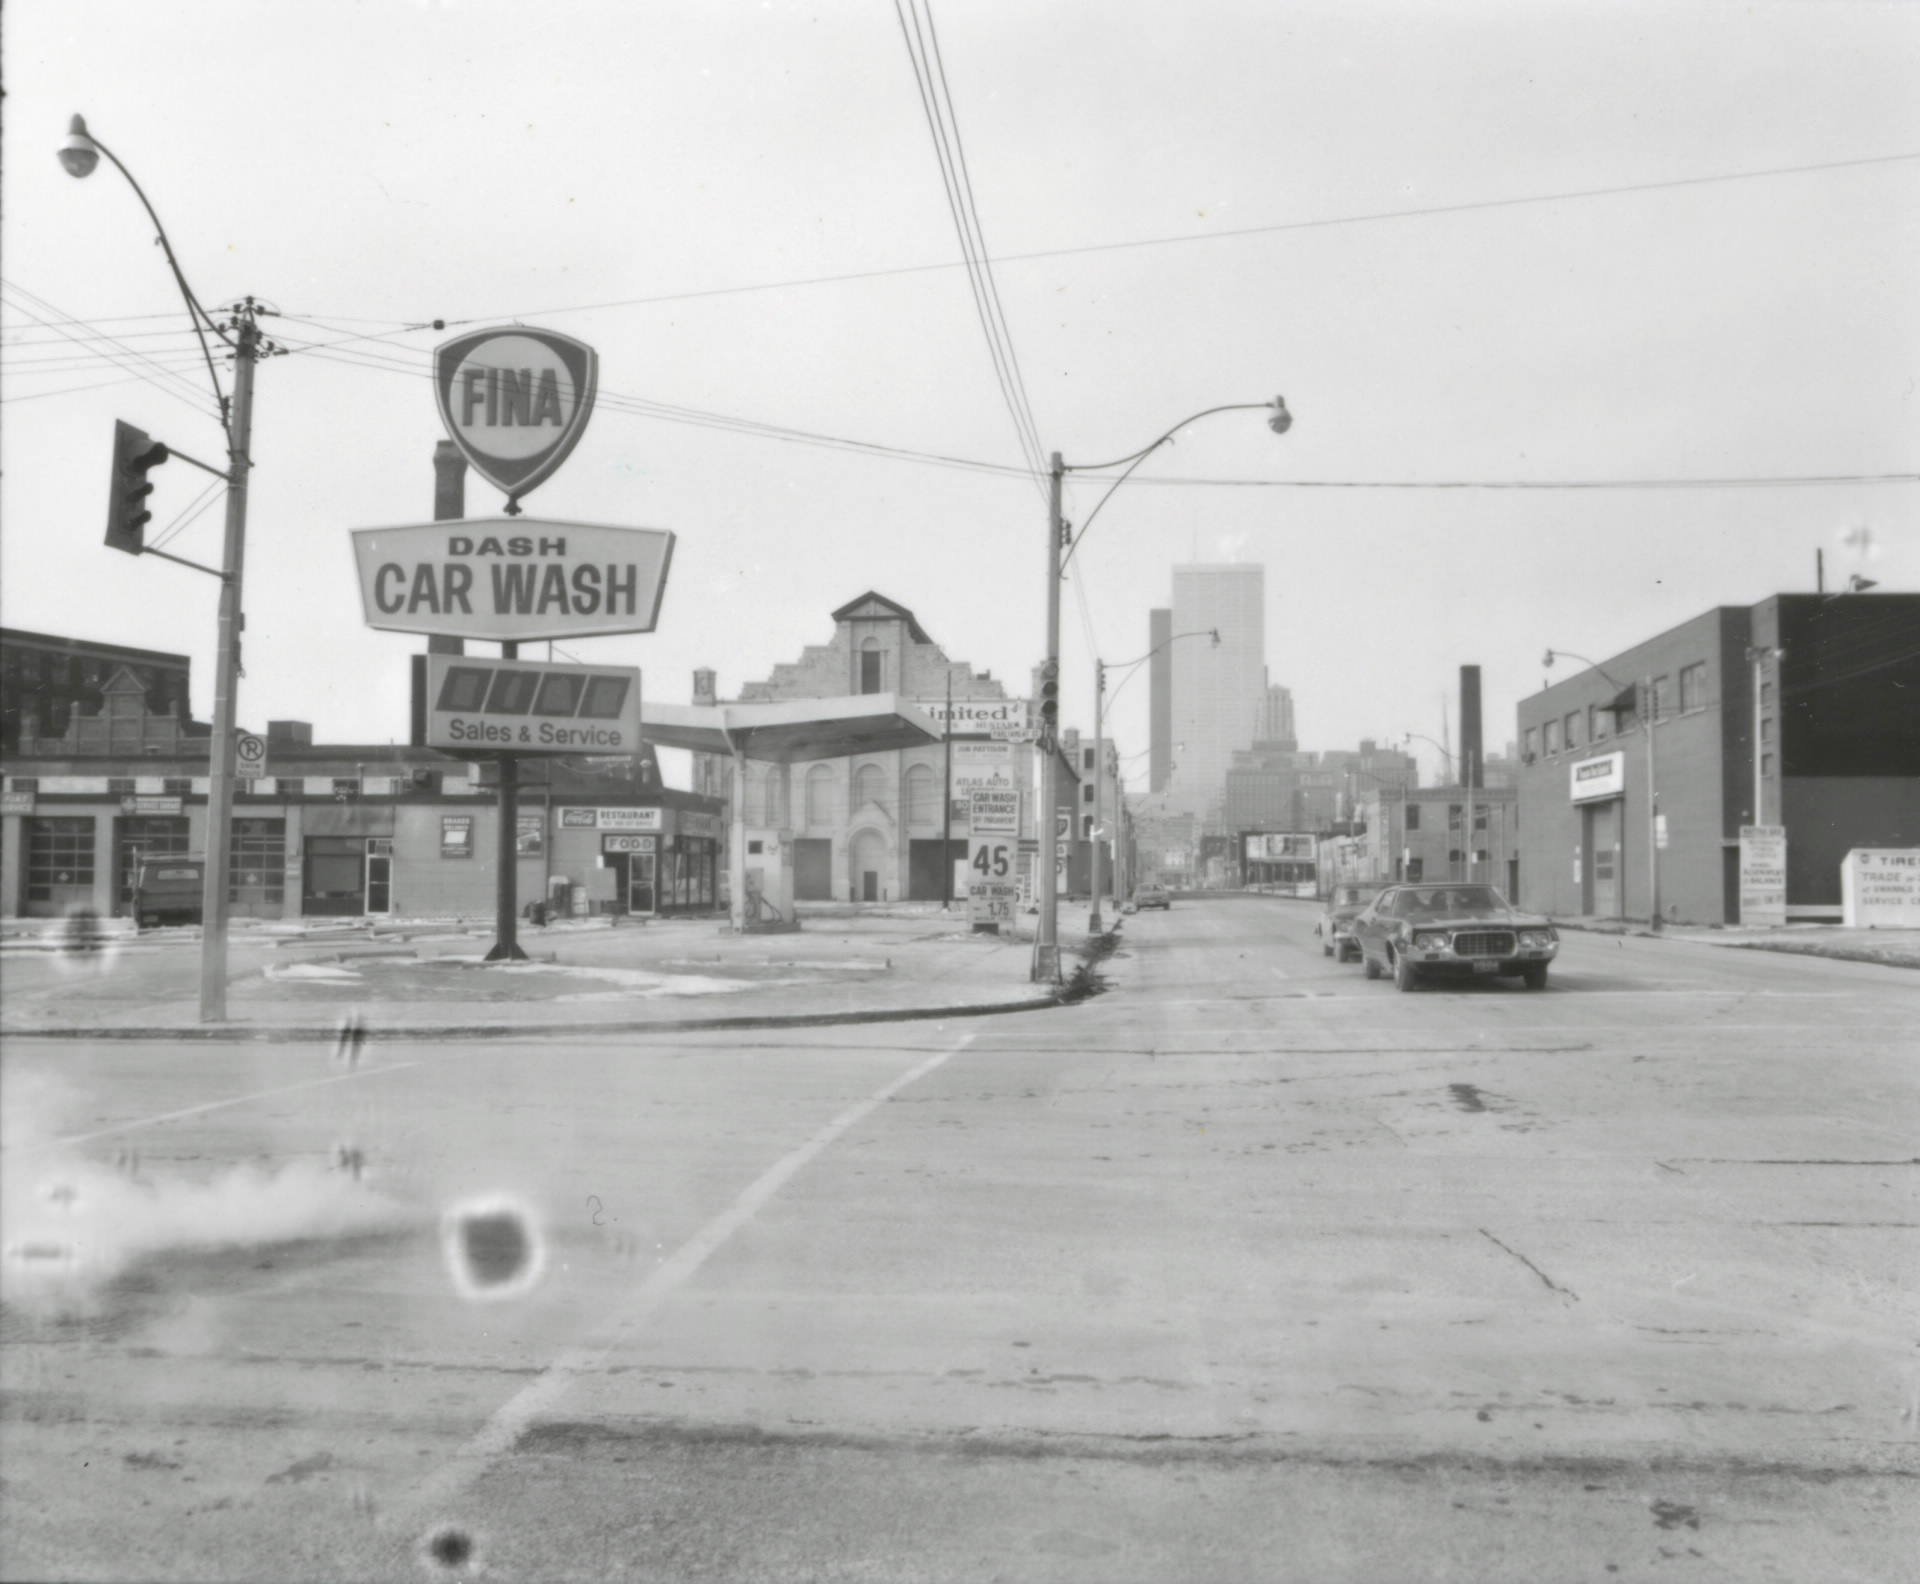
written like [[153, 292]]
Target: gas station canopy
[[791, 729]]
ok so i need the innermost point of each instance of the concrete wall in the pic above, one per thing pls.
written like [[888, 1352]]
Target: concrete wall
[[1827, 816]]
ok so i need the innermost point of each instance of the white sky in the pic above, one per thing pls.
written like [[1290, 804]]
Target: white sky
[[369, 167]]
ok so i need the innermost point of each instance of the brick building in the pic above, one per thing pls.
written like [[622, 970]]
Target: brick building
[[1802, 711]]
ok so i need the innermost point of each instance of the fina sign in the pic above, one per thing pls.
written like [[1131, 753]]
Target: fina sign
[[512, 577], [515, 401], [526, 707]]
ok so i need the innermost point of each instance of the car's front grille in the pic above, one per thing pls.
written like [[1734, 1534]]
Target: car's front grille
[[1483, 943]]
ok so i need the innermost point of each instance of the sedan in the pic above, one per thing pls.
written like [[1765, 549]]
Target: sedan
[[1151, 897], [1344, 905], [1415, 932]]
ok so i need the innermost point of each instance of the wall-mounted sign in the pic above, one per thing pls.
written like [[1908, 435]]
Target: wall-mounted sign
[[618, 819], [980, 766], [156, 805], [1267, 845], [1604, 777], [512, 577], [530, 835], [456, 835], [531, 707], [613, 843], [515, 401], [1763, 874], [16, 803]]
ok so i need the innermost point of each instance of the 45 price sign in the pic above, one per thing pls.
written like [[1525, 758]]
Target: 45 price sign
[[993, 878]]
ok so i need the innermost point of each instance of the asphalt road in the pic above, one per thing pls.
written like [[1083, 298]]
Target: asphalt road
[[1247, 1268]]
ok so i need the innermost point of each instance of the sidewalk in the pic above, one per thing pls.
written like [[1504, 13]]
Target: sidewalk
[[305, 979], [1894, 948]]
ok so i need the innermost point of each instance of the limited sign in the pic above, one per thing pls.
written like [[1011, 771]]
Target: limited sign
[[512, 578], [515, 401], [975, 717], [531, 707]]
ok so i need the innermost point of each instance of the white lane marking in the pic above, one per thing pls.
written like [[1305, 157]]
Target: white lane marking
[[513, 1417], [221, 1105]]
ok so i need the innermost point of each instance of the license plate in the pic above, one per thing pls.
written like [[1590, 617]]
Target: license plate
[[1486, 967]]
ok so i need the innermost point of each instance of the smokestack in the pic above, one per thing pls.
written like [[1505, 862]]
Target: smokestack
[[1473, 769], [449, 505]]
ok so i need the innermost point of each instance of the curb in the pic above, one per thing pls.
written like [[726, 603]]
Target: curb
[[309, 1033]]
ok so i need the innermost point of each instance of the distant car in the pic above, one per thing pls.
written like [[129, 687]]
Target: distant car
[[1336, 923], [168, 891], [1152, 896], [1457, 931]]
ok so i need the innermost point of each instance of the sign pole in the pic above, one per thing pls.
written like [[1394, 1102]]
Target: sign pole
[[506, 946], [946, 824]]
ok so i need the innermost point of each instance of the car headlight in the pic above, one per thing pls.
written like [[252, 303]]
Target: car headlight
[[1535, 939], [1429, 940]]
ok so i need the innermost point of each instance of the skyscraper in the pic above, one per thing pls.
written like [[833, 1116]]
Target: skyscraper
[[1160, 718], [1219, 691]]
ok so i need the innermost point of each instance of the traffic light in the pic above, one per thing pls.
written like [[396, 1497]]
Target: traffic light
[[134, 454], [1049, 699]]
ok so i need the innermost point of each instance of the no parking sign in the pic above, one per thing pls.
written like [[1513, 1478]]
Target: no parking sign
[[249, 756]]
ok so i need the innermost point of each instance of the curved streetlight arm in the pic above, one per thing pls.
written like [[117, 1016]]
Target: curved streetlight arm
[[196, 313], [1282, 421], [1123, 665], [1567, 654]]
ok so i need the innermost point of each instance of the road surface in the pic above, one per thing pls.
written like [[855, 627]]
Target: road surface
[[1247, 1268]]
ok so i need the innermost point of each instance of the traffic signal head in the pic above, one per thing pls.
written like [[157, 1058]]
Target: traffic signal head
[[1049, 696], [134, 453]]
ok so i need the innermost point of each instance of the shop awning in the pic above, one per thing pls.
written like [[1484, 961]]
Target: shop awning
[[791, 729]]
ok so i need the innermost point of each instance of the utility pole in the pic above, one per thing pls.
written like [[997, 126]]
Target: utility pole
[[1653, 811], [946, 803], [1046, 945], [226, 674], [1094, 924]]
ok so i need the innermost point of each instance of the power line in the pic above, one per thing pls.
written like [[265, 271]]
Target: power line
[[135, 362], [1372, 217]]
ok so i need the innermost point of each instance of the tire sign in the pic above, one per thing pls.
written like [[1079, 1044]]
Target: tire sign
[[515, 401]]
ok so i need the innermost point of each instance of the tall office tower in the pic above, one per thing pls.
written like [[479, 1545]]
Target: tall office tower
[[1160, 716], [1219, 690], [1276, 719]]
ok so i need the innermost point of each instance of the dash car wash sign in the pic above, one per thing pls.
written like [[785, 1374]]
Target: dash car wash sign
[[512, 578], [515, 401], [525, 707]]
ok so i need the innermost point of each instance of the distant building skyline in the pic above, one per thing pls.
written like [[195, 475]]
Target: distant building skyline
[[1219, 690]]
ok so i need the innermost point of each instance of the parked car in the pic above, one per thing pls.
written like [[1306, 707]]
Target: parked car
[[1457, 931], [1344, 904], [168, 891], [1152, 896]]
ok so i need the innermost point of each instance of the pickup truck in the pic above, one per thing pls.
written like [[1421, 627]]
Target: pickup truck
[[169, 891]]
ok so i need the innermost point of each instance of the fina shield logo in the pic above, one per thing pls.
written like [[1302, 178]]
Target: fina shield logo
[[515, 401]]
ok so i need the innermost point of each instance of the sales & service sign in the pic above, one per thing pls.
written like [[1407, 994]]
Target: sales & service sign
[[515, 401]]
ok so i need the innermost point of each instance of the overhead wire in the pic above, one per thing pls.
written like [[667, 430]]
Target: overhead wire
[[943, 126], [130, 359]]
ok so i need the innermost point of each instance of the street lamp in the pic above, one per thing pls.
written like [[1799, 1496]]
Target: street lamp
[[1046, 946], [1651, 713], [79, 155], [1132, 668]]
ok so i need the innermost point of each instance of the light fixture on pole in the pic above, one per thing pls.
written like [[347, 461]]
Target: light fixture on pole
[[1061, 543], [1650, 712], [79, 155]]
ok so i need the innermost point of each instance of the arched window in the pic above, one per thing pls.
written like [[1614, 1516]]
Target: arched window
[[869, 786], [922, 796], [819, 796]]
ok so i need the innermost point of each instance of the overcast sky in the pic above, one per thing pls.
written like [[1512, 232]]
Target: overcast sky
[[1470, 243]]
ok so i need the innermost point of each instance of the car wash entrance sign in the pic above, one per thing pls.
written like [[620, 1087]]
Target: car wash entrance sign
[[508, 578], [515, 401]]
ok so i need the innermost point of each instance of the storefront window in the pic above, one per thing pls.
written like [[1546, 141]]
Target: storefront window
[[257, 863], [59, 859], [145, 836]]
